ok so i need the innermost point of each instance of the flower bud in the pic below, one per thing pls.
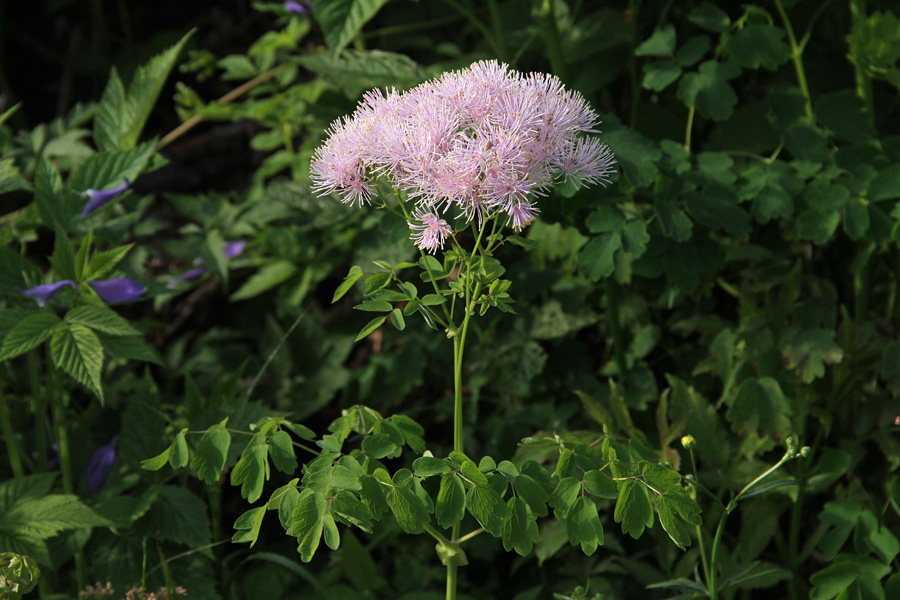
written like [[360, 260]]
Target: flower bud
[[97, 198], [688, 442], [121, 289], [805, 451], [42, 293]]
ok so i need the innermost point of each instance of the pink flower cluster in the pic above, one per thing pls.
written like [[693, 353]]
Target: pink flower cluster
[[486, 140]]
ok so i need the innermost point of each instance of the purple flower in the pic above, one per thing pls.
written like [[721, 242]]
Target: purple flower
[[486, 140], [303, 7], [97, 198], [42, 293], [231, 250], [100, 464], [121, 289]]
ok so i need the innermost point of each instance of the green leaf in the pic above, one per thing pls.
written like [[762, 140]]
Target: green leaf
[[583, 525], [63, 258], [633, 509], [281, 451], [758, 45], [660, 74], [110, 169], [488, 508], [104, 262], [847, 570], [886, 185], [330, 531], [143, 91], [113, 114], [807, 142], [601, 485], [717, 208], [157, 462], [100, 318], [374, 306], [77, 351], [710, 17], [271, 275], [760, 404], [708, 89], [451, 501], [817, 225], [351, 278], [636, 155], [179, 516], [351, 509], [306, 523], [129, 347], [426, 466], [248, 525], [564, 496], [856, 219], [533, 494], [342, 20], [178, 457], [398, 320], [408, 509], [807, 351], [845, 115], [357, 71], [596, 260], [370, 327], [29, 333], [50, 198], [251, 471], [661, 43], [693, 50], [673, 526], [379, 446], [520, 531], [10, 178], [211, 452]]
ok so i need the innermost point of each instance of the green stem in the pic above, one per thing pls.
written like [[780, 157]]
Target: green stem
[[612, 318], [452, 569], [39, 408], [700, 542], [9, 438], [688, 128], [712, 582], [863, 81], [796, 58]]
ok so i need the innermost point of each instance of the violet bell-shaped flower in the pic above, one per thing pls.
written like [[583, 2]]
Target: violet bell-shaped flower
[[42, 293], [231, 250], [302, 8], [100, 464], [98, 198], [121, 289]]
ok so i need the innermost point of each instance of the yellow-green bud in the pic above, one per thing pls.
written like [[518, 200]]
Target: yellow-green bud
[[688, 442], [805, 451]]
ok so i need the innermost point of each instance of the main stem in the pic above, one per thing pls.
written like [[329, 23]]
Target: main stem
[[9, 437]]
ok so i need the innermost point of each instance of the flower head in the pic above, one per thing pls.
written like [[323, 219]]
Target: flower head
[[97, 198], [42, 293], [429, 230], [486, 140], [100, 464], [121, 289], [231, 250]]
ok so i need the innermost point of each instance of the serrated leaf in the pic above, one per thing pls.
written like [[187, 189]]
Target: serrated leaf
[[709, 91], [129, 347], [111, 117], [50, 198], [104, 262], [408, 509], [451, 501], [847, 570], [110, 168], [179, 516], [77, 351], [44, 517], [29, 333], [342, 20], [488, 508], [100, 318], [210, 453], [673, 526], [306, 523], [760, 404], [248, 525], [143, 91]]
